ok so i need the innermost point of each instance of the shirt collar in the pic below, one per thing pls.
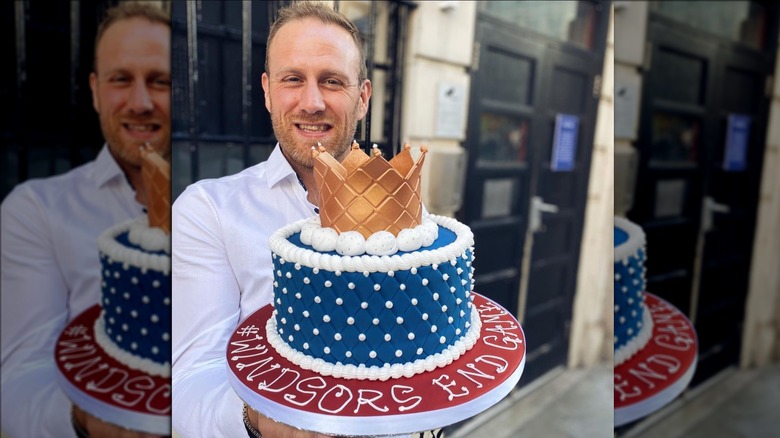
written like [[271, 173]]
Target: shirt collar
[[106, 168], [278, 168]]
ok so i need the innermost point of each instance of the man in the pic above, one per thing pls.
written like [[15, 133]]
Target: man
[[316, 89], [50, 227]]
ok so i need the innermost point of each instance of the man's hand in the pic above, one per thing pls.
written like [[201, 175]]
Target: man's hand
[[97, 428], [272, 429]]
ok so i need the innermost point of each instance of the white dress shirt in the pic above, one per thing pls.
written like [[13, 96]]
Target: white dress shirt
[[222, 273], [50, 274]]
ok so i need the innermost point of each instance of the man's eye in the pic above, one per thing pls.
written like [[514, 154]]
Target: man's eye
[[120, 79], [333, 83], [292, 79], [162, 82]]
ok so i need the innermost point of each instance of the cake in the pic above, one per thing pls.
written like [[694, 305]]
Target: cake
[[633, 322], [135, 321], [372, 288]]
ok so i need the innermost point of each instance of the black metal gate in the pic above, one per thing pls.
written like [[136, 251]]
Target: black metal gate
[[49, 125]]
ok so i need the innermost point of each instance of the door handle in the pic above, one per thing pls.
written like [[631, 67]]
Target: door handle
[[538, 206], [708, 210]]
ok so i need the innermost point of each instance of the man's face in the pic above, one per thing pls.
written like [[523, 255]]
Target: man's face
[[131, 88], [312, 89]]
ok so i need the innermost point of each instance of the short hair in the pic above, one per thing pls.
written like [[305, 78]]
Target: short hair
[[125, 11], [308, 9]]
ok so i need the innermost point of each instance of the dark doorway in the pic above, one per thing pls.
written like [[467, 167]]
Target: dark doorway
[[701, 93], [525, 76]]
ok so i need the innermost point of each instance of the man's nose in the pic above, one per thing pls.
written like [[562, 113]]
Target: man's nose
[[311, 98], [140, 101]]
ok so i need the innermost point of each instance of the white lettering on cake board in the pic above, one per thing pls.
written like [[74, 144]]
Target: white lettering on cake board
[[672, 333], [80, 360]]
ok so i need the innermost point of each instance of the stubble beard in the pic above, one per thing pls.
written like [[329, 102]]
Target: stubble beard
[[124, 152], [299, 152]]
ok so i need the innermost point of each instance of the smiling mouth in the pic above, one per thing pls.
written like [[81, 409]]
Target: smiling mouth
[[141, 127], [313, 128]]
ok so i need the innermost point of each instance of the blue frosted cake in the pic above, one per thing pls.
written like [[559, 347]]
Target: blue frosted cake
[[372, 288], [633, 322], [134, 325]]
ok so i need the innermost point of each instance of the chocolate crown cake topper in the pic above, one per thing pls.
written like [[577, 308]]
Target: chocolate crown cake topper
[[156, 173], [369, 194]]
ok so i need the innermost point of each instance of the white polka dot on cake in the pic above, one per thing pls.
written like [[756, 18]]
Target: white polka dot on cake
[[297, 266], [413, 271], [326, 350], [399, 320], [410, 336], [134, 280], [326, 318], [398, 353], [144, 331], [339, 301], [125, 327], [118, 309], [126, 295], [290, 338], [328, 283], [133, 346], [167, 301], [372, 354], [166, 337], [362, 337], [425, 282], [297, 328], [425, 316], [288, 275], [350, 320], [306, 280], [305, 313], [414, 301], [298, 295], [351, 285], [289, 309], [315, 331], [402, 286], [348, 353], [389, 304], [377, 287], [375, 321], [145, 299], [434, 328], [305, 345], [317, 299], [364, 305], [337, 336], [442, 340], [284, 320], [387, 337], [444, 308], [445, 277], [419, 351], [435, 296]]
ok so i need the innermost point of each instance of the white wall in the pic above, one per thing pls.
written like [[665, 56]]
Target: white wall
[[591, 332]]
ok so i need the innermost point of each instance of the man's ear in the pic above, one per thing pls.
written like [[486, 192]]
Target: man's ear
[[365, 96], [266, 91], [93, 86]]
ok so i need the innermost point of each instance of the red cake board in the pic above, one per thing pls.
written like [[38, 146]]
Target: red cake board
[[274, 386], [659, 372], [106, 388]]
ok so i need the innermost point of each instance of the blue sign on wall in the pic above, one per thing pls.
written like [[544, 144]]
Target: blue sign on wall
[[564, 148], [737, 136]]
